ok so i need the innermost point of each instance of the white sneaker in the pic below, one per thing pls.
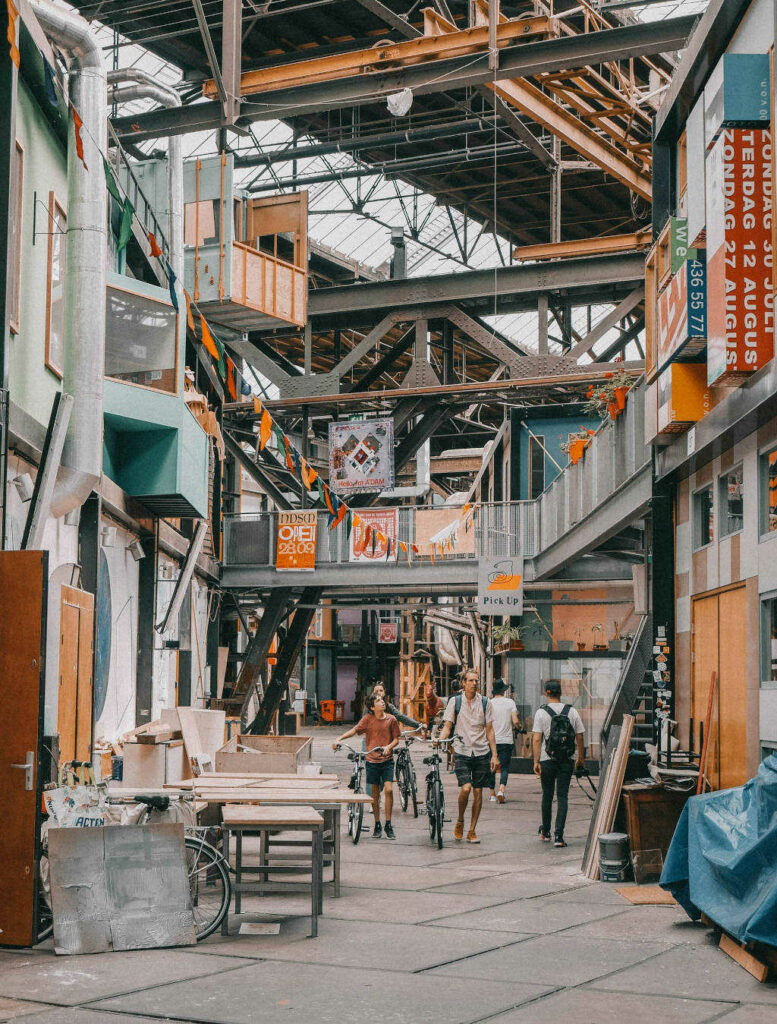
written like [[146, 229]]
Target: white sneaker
[[492, 799]]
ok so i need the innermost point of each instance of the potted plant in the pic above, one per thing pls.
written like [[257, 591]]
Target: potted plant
[[621, 642], [600, 641], [609, 395], [508, 638], [576, 444], [579, 641]]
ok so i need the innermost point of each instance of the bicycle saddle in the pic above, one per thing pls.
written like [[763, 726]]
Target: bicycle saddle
[[432, 759], [156, 803]]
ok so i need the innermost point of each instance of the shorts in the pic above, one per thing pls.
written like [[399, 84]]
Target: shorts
[[473, 769], [379, 772]]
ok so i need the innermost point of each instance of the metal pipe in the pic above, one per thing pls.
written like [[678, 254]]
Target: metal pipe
[[85, 249], [141, 85]]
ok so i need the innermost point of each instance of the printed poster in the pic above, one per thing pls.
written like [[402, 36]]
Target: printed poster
[[295, 549], [374, 521], [500, 586], [361, 456], [388, 632]]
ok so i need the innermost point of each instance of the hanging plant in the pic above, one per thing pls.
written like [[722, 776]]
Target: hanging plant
[[609, 396], [508, 638], [576, 444]]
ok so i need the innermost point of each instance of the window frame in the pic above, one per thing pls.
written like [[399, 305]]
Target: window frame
[[764, 533], [54, 204], [764, 653], [724, 532], [162, 302], [15, 291], [696, 531], [536, 449]]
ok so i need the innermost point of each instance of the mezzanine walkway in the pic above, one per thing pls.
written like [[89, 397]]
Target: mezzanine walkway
[[506, 932]]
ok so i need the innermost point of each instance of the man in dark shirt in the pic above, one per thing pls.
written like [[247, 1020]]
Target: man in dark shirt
[[380, 731]]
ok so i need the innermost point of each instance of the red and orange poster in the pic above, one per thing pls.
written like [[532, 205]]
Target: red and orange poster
[[295, 549], [370, 537]]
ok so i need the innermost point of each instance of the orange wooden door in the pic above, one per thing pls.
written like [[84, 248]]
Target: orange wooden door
[[74, 701], [23, 584], [705, 662], [732, 688]]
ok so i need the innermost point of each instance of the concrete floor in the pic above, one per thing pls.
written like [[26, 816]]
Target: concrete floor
[[506, 931]]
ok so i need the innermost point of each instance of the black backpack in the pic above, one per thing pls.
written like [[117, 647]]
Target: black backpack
[[457, 707], [561, 743]]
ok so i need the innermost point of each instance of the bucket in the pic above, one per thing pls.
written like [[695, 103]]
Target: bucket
[[311, 768], [613, 856]]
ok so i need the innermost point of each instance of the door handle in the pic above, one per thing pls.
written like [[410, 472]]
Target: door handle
[[28, 768]]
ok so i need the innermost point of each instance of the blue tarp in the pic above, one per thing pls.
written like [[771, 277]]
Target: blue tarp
[[723, 858]]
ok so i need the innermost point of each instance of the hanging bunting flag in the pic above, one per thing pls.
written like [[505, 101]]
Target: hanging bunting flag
[[320, 485], [357, 520], [13, 14], [155, 250], [110, 181], [279, 436], [125, 228], [245, 387], [265, 429], [341, 513], [50, 85], [402, 546], [171, 279], [257, 405], [374, 538], [431, 553], [231, 379], [415, 549], [303, 472], [348, 523], [328, 499], [189, 314], [78, 124], [296, 458], [388, 548], [287, 453], [207, 338], [312, 475]]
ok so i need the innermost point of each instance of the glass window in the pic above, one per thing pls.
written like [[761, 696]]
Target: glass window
[[55, 289], [703, 518], [536, 466], [769, 491], [15, 237], [730, 495], [767, 749], [140, 340], [769, 640], [201, 222]]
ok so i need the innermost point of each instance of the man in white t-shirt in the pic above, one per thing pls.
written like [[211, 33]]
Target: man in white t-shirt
[[505, 719], [558, 746]]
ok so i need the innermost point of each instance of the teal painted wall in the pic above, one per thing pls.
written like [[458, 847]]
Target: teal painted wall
[[555, 431], [32, 384]]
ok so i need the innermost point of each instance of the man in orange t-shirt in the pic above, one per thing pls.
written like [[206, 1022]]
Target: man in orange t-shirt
[[381, 733]]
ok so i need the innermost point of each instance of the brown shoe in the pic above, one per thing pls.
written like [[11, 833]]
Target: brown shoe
[[500, 797], [458, 830], [472, 836]]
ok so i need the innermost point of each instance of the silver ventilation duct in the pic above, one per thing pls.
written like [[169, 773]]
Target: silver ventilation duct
[[137, 84], [85, 253]]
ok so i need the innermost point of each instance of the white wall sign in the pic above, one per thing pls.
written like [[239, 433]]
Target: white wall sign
[[500, 586]]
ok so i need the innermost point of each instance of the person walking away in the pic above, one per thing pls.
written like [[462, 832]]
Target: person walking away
[[558, 737], [379, 690], [505, 720], [469, 716], [380, 730]]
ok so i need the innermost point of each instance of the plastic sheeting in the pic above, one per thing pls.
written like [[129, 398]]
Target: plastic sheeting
[[722, 858]]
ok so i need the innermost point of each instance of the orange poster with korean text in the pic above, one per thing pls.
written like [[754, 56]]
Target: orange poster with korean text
[[295, 549]]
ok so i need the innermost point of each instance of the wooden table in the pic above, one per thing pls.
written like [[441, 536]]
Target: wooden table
[[242, 819]]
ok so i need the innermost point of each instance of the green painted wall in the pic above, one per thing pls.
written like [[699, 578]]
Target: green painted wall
[[32, 384]]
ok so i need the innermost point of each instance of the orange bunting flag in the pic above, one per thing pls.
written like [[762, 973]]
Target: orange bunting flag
[[415, 549], [287, 449], [207, 338], [328, 500], [189, 316], [312, 475], [357, 520], [341, 513], [265, 429], [155, 250], [231, 379], [402, 545], [78, 124], [13, 14], [257, 405]]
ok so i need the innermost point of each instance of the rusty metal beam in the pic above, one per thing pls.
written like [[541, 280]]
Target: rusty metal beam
[[584, 246]]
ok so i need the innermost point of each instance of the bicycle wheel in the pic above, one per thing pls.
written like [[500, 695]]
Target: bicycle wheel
[[209, 884], [403, 784], [413, 787], [45, 917], [440, 813], [431, 808], [356, 811]]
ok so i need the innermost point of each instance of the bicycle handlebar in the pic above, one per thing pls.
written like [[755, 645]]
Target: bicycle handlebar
[[359, 753]]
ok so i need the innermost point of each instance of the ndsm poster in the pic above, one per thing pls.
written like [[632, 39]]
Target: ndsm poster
[[500, 586], [296, 541], [361, 456]]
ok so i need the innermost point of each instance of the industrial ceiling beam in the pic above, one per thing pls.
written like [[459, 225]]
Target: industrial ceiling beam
[[432, 76], [608, 322], [585, 246], [219, 89], [256, 473], [231, 39]]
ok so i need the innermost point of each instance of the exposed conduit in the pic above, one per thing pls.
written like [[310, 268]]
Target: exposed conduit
[[85, 252]]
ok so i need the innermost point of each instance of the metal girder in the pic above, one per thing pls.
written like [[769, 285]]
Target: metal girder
[[585, 246], [386, 360], [607, 322], [359, 351], [231, 41], [391, 18], [256, 652], [46, 478], [516, 286], [620, 343], [641, 39], [256, 472], [421, 432], [210, 51], [184, 577], [519, 129], [287, 654], [511, 357]]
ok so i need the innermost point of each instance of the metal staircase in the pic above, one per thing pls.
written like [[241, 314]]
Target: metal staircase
[[634, 692]]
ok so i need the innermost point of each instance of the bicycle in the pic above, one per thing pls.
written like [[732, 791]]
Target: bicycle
[[435, 795], [407, 783], [356, 783]]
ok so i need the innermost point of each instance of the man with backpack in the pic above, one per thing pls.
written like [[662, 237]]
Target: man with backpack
[[558, 737], [469, 716]]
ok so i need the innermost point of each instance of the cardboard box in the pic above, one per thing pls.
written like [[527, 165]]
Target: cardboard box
[[681, 321], [684, 397], [740, 299], [152, 765], [266, 754]]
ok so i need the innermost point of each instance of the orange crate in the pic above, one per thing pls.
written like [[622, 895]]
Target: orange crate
[[333, 710]]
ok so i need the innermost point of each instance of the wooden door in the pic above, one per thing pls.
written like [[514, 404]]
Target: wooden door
[[74, 700], [719, 645], [23, 592], [732, 688]]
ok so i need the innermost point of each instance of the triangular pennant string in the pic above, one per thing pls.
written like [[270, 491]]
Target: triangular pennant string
[[189, 314], [265, 430], [110, 182], [155, 250], [231, 379], [207, 338], [78, 124], [49, 79], [125, 228]]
